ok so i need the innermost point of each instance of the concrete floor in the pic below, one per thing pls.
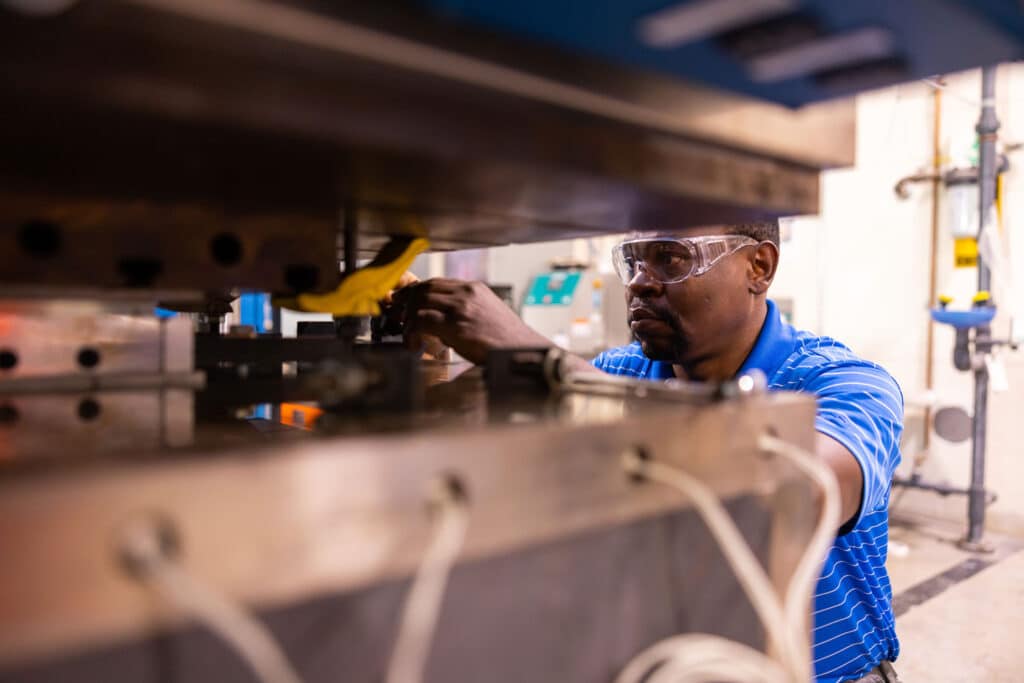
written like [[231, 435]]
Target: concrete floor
[[960, 616]]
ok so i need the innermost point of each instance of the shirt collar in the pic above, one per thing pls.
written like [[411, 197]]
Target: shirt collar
[[773, 346], [662, 370]]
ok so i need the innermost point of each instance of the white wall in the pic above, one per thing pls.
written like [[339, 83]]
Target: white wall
[[859, 271], [518, 264], [869, 285]]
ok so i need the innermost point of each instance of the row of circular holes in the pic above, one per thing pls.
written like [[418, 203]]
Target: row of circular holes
[[43, 239], [88, 409], [87, 358]]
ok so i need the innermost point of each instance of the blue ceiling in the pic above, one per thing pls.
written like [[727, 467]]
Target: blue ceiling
[[929, 37]]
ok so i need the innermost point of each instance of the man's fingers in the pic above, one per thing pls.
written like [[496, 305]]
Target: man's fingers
[[407, 279], [449, 305], [426, 288], [427, 320]]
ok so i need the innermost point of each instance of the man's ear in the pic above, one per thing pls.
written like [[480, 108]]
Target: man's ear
[[763, 264]]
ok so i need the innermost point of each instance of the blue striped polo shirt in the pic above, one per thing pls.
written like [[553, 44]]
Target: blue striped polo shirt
[[860, 406]]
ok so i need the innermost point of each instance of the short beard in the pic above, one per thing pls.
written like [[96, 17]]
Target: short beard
[[679, 345]]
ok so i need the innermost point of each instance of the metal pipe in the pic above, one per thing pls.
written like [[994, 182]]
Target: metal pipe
[[929, 364], [987, 127]]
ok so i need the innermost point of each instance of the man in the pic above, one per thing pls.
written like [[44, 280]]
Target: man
[[698, 309]]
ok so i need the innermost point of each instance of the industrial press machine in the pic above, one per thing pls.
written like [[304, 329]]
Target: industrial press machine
[[161, 157]]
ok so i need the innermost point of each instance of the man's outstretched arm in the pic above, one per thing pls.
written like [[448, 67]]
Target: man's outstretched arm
[[468, 317]]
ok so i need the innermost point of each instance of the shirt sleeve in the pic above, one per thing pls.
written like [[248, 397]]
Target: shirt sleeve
[[861, 406]]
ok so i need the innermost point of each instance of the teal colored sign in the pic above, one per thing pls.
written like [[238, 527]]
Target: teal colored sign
[[553, 289]]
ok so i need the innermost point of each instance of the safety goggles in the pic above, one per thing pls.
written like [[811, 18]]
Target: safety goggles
[[669, 260]]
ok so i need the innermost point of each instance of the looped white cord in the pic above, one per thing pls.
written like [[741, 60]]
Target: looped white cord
[[249, 638], [745, 565], [785, 626], [423, 603], [699, 657], [801, 585]]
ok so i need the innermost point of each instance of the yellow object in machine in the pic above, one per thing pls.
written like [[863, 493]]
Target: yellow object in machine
[[361, 291]]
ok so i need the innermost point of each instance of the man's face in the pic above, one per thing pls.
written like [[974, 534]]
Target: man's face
[[690, 321]]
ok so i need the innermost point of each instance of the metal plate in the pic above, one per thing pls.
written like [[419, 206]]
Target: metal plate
[[81, 345], [147, 128], [51, 338], [572, 611], [273, 525], [64, 429], [86, 378], [64, 240]]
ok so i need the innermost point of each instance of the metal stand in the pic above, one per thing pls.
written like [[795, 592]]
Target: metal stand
[[987, 127], [348, 328]]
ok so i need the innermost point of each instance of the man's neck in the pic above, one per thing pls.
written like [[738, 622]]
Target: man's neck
[[724, 366]]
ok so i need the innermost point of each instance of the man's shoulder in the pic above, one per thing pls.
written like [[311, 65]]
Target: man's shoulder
[[623, 360], [816, 357]]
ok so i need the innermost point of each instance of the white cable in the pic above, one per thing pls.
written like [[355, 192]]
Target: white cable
[[786, 626], [249, 638], [801, 585], [741, 559], [701, 657], [423, 603]]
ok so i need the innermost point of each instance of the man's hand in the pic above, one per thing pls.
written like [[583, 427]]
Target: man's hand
[[467, 316]]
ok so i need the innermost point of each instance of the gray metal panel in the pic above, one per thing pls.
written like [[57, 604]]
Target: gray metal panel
[[572, 611], [272, 525]]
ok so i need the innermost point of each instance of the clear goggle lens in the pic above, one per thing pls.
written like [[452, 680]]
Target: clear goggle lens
[[665, 261], [673, 260]]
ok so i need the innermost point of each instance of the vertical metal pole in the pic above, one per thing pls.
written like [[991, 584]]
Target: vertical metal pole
[[987, 127], [350, 229], [933, 266], [350, 327]]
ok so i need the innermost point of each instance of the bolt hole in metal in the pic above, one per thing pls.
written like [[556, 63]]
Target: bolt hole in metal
[[301, 277], [40, 239], [449, 488], [8, 359], [447, 498], [8, 414], [148, 550], [769, 431], [88, 357], [634, 459], [226, 249], [139, 272], [145, 540], [89, 409]]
